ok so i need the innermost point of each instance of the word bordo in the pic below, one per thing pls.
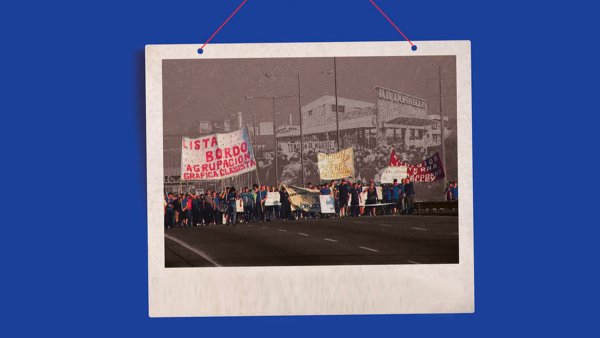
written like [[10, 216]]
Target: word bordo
[[216, 156]]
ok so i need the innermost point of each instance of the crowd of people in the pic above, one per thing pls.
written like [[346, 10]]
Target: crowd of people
[[451, 191], [369, 161], [221, 207]]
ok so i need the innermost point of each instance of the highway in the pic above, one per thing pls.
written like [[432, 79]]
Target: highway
[[333, 241]]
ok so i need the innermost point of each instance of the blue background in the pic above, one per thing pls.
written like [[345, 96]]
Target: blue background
[[74, 239]]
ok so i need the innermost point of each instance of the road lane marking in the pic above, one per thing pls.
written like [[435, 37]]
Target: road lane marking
[[264, 227], [365, 248], [455, 233], [385, 225], [418, 228], [360, 222], [282, 230], [413, 262], [303, 234], [331, 240], [192, 249]]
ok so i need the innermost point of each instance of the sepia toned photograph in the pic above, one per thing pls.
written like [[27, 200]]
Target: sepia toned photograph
[[310, 161]]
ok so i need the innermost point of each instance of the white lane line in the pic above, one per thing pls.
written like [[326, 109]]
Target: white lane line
[[419, 229], [331, 240], [359, 222], [413, 262], [264, 227], [364, 247], [282, 230], [303, 234], [385, 225], [192, 249]]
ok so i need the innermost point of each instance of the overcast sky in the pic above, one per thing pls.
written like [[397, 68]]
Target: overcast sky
[[213, 89]]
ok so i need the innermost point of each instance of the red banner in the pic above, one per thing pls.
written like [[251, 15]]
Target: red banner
[[430, 170]]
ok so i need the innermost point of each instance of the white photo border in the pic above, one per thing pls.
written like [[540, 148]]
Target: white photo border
[[307, 290]]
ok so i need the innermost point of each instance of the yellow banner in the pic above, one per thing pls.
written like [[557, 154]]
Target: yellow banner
[[337, 165], [304, 199]]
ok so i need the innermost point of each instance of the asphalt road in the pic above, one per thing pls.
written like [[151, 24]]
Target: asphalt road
[[346, 241]]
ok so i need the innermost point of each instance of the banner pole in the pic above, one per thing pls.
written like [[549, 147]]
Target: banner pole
[[253, 153]]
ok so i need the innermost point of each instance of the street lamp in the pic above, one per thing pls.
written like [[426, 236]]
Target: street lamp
[[297, 76], [272, 98]]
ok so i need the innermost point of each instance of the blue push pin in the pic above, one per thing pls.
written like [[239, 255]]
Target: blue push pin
[[200, 50], [414, 47]]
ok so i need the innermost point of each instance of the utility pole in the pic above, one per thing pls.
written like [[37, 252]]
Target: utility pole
[[337, 118], [442, 125], [272, 99], [301, 133], [275, 143]]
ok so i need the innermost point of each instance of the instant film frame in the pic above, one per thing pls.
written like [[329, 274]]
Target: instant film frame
[[307, 290]]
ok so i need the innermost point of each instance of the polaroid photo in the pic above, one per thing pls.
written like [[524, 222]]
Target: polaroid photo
[[309, 179]]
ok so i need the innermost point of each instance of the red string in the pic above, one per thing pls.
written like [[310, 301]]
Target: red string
[[244, 2], [390, 21], [223, 24]]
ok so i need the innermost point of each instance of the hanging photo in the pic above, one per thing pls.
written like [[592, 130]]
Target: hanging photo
[[280, 176]]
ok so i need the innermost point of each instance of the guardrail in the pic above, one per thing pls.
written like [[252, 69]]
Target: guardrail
[[436, 207]]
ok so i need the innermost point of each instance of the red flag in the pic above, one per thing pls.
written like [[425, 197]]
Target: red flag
[[394, 160]]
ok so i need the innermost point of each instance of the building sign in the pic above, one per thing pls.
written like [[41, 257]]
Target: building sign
[[216, 156], [390, 95], [337, 165]]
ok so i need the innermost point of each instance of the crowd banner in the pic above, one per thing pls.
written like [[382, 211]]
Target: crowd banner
[[327, 204], [430, 170], [304, 199], [217, 156], [390, 173], [273, 199], [337, 165], [239, 205]]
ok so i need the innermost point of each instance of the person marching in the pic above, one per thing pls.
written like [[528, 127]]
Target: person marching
[[372, 199], [355, 202], [232, 206], [343, 197], [286, 205], [409, 190]]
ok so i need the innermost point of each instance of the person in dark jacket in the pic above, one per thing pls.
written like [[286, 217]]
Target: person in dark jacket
[[231, 206], [286, 204], [258, 208], [209, 208], [195, 210], [355, 202], [343, 196], [178, 213], [409, 191], [169, 211]]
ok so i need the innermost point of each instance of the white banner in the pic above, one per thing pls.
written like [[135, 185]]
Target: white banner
[[273, 199], [390, 173], [327, 204], [216, 156], [239, 205]]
